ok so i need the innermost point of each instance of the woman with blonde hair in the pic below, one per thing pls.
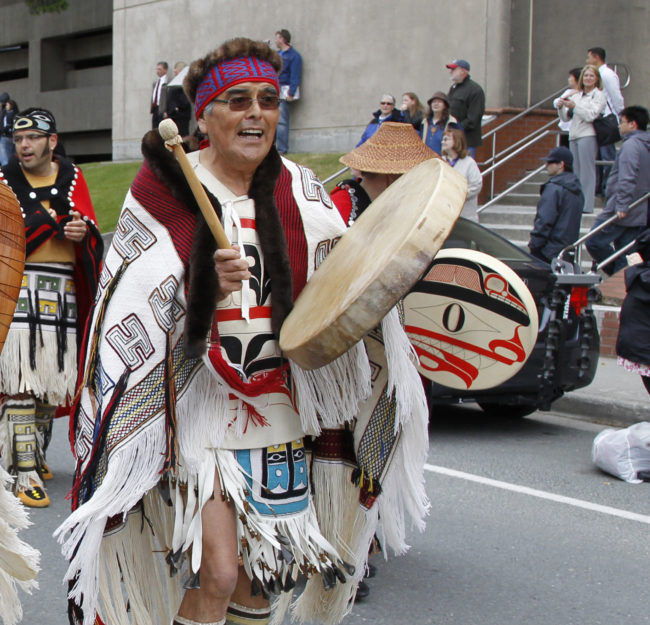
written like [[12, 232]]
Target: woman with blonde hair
[[454, 151], [582, 108]]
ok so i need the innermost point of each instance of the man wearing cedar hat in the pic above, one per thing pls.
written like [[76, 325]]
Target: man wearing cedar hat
[[392, 151]]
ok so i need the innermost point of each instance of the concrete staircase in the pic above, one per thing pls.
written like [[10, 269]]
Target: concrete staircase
[[513, 219], [514, 215]]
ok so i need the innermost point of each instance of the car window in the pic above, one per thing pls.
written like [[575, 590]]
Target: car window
[[471, 235]]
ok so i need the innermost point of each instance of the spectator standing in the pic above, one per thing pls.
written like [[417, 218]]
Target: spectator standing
[[178, 107], [437, 120], [615, 103], [582, 108], [290, 79], [466, 102], [559, 210], [158, 94], [386, 113], [565, 126], [412, 109], [455, 152], [38, 365], [628, 181]]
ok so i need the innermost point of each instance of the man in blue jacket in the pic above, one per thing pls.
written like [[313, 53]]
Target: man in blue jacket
[[290, 77], [559, 210], [628, 181]]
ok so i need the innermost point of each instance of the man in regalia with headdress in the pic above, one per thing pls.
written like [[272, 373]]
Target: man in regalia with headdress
[[196, 437], [38, 365]]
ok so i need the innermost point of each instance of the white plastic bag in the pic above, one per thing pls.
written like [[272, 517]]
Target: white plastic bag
[[623, 453]]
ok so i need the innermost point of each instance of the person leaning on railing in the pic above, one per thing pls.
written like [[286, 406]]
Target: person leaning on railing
[[628, 181]]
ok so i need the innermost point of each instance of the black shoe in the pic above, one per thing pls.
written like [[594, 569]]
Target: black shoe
[[363, 590]]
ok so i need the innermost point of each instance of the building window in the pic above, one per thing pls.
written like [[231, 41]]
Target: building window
[[77, 60]]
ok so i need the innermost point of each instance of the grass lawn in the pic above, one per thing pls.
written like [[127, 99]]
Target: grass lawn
[[109, 182]]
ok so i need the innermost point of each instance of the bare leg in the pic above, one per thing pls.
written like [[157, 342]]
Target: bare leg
[[219, 565]]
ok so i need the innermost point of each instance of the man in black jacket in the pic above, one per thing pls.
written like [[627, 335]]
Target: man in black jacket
[[559, 210], [466, 102]]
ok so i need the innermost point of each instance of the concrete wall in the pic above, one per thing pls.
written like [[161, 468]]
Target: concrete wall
[[352, 53], [564, 30], [520, 51], [53, 58]]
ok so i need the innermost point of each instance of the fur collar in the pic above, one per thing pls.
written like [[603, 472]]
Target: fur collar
[[202, 278]]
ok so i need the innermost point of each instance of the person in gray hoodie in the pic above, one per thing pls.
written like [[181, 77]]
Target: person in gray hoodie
[[559, 210], [628, 181]]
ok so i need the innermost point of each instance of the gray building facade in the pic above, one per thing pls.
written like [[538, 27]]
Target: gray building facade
[[94, 64]]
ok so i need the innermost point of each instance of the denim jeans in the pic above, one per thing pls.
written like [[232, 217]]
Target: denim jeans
[[607, 153], [282, 132], [611, 238]]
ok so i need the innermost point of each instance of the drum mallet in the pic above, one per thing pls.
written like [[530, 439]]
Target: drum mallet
[[169, 133]]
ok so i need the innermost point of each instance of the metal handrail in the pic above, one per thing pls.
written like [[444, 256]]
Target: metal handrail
[[615, 255], [335, 175], [553, 122], [599, 227], [576, 245], [521, 149], [537, 104], [524, 112], [517, 184]]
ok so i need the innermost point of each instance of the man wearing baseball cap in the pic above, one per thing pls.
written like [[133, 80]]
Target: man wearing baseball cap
[[466, 102], [559, 210]]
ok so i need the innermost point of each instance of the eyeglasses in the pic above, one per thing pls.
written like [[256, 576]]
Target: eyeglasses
[[385, 103], [18, 139], [244, 102]]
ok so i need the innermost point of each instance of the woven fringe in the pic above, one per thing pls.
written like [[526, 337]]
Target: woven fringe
[[134, 586], [344, 523], [19, 562], [46, 381], [403, 486], [5, 441], [198, 429], [134, 469], [332, 394], [403, 377]]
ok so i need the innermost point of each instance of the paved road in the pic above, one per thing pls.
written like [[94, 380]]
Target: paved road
[[523, 530]]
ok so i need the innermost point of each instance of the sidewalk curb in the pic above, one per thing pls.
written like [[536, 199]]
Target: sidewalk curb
[[615, 413]]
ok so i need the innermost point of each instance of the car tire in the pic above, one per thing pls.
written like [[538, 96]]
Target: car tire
[[507, 411]]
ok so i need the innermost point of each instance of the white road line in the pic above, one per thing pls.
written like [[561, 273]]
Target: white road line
[[525, 490]]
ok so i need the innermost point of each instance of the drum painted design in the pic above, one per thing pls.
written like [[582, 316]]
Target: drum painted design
[[472, 320]]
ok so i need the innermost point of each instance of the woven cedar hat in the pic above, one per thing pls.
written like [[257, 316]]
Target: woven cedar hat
[[394, 149]]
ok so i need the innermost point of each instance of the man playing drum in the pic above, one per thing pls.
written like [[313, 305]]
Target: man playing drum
[[185, 389]]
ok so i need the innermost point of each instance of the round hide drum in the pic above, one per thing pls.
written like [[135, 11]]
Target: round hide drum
[[374, 264], [12, 257], [472, 320]]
